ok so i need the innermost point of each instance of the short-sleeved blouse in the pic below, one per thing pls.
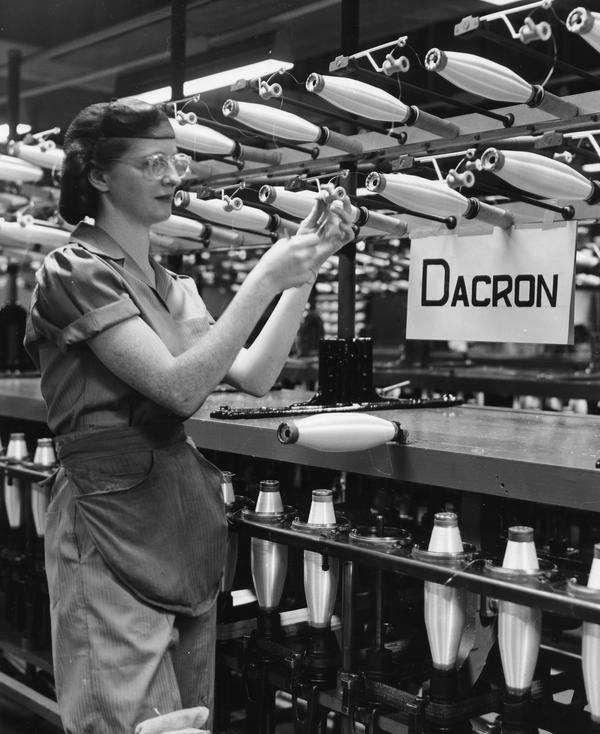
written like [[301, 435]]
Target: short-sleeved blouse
[[82, 289]]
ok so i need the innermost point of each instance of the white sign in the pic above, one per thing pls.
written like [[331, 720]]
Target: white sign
[[512, 285]]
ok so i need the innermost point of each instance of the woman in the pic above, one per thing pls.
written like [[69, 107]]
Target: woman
[[136, 530]]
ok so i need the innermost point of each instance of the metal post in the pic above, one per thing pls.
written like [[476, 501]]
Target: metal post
[[178, 39], [14, 91], [347, 255], [347, 615]]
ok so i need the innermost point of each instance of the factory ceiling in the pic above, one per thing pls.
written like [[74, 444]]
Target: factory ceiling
[[74, 52]]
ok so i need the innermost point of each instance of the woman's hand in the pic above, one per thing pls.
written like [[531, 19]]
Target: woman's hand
[[293, 261], [183, 721], [331, 219]]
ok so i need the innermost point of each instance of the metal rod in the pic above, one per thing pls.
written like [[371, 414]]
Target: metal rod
[[566, 212], [178, 39], [14, 91], [350, 13], [380, 529], [551, 597], [347, 616], [347, 281], [450, 221]]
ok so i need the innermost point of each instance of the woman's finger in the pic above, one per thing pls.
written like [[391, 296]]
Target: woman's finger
[[312, 221]]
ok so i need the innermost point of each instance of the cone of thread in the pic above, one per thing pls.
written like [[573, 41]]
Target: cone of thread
[[418, 194], [216, 210], [358, 98], [536, 173], [19, 171], [299, 204], [321, 508], [272, 121], [43, 457], [321, 575], [227, 487], [201, 139], [268, 560], [374, 103], [231, 556], [479, 75], [590, 646], [269, 497], [268, 563], [296, 203], [519, 626], [45, 156], [445, 606], [16, 451]]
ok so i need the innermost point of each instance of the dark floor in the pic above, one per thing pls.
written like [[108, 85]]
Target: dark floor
[[15, 719]]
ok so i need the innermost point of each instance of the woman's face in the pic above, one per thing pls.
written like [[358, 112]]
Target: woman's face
[[132, 190]]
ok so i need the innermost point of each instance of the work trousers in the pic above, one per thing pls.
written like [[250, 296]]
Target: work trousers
[[117, 661]]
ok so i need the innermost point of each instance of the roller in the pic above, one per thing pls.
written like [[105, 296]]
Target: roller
[[339, 431], [435, 198], [242, 216], [539, 174], [376, 104], [491, 80], [202, 139], [44, 154], [299, 204], [282, 124]]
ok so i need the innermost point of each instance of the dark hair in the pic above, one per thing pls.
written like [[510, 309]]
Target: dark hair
[[99, 133]]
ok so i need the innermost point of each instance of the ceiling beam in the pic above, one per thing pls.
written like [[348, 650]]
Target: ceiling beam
[[195, 46]]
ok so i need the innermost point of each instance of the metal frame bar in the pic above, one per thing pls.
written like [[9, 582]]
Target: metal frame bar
[[548, 596]]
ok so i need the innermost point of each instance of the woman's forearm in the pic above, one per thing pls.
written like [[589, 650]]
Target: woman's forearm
[[135, 353], [255, 369]]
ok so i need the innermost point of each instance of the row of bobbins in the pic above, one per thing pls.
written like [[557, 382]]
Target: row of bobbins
[[445, 605], [16, 488]]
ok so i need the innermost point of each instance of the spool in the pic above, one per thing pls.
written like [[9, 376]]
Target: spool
[[282, 124], [227, 488], [590, 638], [339, 431], [444, 605], [445, 536], [491, 80], [322, 511], [373, 103], [537, 173], [44, 457], [268, 560], [519, 626], [16, 452], [433, 198], [520, 553], [269, 498]]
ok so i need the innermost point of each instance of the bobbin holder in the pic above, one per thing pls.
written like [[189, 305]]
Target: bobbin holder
[[368, 700]]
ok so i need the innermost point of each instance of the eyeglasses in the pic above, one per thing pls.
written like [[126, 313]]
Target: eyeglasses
[[156, 166]]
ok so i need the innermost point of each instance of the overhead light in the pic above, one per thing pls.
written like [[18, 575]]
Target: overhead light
[[218, 80], [226, 78], [155, 96], [22, 129], [591, 167], [499, 2]]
